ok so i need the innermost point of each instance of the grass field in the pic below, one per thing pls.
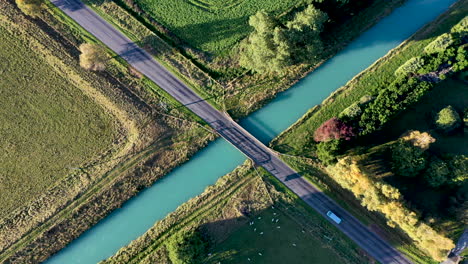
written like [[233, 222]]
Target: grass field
[[224, 212], [48, 127], [210, 25], [278, 242], [379, 74]]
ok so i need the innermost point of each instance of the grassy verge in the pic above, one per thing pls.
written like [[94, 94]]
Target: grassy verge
[[377, 75], [154, 141], [223, 213]]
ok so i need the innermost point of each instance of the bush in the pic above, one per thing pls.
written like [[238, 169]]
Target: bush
[[333, 128], [407, 159], [410, 66], [447, 119], [440, 44], [93, 57], [462, 26], [31, 8], [328, 151], [186, 247], [351, 112], [459, 167]]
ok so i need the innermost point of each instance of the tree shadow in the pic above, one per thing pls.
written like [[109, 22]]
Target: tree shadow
[[199, 34]]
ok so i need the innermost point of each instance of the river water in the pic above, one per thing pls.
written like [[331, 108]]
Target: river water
[[219, 158]]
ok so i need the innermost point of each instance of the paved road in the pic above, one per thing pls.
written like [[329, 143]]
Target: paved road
[[230, 130]]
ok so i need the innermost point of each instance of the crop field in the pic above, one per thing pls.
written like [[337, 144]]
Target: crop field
[[211, 25], [48, 127]]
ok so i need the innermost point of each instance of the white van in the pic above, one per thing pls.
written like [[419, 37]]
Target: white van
[[334, 217]]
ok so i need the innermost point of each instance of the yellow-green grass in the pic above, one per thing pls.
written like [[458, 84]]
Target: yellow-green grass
[[379, 74], [210, 25], [48, 127]]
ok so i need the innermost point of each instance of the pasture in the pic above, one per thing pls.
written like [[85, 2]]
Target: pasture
[[211, 25], [48, 127], [274, 237]]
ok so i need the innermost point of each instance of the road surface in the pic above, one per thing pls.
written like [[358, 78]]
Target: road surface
[[230, 130]]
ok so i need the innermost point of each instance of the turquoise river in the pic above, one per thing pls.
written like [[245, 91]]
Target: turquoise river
[[219, 158]]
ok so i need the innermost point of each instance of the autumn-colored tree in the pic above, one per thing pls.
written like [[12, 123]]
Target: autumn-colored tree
[[93, 57], [333, 128], [31, 8], [377, 195]]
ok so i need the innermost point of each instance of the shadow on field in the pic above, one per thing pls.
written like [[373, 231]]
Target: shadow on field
[[215, 31]]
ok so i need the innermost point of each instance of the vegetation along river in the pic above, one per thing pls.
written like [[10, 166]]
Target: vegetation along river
[[219, 158]]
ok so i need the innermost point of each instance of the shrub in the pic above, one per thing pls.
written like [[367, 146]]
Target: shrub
[[440, 44], [333, 128], [462, 26], [31, 8], [93, 57], [410, 66], [447, 119], [351, 111], [366, 99], [407, 159], [459, 168], [328, 151], [186, 247], [437, 173]]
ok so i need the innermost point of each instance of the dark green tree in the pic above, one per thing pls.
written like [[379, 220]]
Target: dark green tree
[[407, 159], [328, 151], [437, 172], [448, 119], [186, 247]]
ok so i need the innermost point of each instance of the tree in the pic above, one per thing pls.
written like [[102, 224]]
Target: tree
[[437, 173], [93, 57], [407, 159], [31, 8], [328, 151], [304, 32], [448, 119], [267, 48], [186, 247], [272, 47], [333, 128], [459, 167]]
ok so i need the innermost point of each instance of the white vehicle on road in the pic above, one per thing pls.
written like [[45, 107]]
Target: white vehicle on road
[[334, 217]]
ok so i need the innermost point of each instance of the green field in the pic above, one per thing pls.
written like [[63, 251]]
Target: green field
[[289, 243], [210, 25], [48, 127]]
